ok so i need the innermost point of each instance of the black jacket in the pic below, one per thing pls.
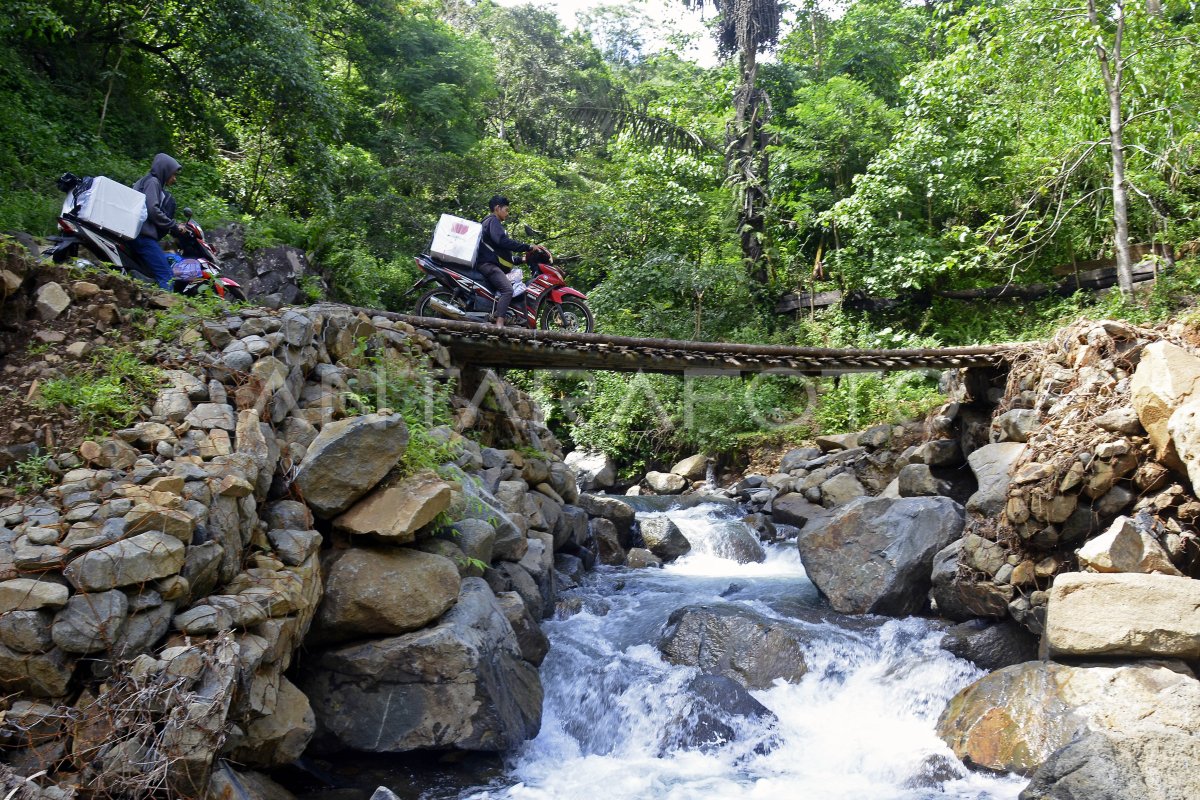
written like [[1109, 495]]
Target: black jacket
[[494, 246], [160, 205]]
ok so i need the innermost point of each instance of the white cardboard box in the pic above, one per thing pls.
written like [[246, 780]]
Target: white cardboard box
[[456, 240], [112, 206]]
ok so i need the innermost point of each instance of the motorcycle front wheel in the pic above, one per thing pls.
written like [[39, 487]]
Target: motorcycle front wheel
[[571, 316], [425, 307]]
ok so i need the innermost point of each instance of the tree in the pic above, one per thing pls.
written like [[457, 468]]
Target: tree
[[747, 27]]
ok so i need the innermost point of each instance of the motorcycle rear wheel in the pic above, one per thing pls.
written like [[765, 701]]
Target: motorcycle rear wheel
[[571, 316], [235, 294], [423, 309]]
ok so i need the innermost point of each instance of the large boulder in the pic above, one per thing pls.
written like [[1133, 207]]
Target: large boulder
[[693, 468], [666, 482], [1012, 720], [875, 555], [992, 465], [963, 596], [593, 469], [620, 514], [1125, 547], [1124, 614], [733, 641], [1156, 764], [460, 684], [280, 737], [991, 645], [145, 557], [719, 709], [382, 591], [797, 510], [1165, 379], [396, 511], [347, 459], [664, 539]]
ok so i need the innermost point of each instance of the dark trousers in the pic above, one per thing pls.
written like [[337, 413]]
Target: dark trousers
[[500, 285], [155, 259]]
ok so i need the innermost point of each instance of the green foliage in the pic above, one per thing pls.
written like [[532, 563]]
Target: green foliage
[[108, 392], [29, 476], [167, 324], [405, 384], [859, 401]]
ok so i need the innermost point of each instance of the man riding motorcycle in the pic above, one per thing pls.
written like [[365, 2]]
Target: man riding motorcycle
[[495, 256]]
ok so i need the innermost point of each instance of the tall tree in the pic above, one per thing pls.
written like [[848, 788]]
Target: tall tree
[[746, 28]]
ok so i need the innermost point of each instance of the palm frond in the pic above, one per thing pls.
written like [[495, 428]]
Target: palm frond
[[612, 120]]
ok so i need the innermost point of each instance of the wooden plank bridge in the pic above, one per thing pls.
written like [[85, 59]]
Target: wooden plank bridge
[[476, 345]]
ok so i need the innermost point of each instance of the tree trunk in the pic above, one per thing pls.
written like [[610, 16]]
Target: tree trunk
[[1111, 67], [747, 167]]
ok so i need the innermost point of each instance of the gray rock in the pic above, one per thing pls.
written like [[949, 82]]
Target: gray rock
[[51, 301], [963, 598], [733, 641], [39, 674], [841, 489], [142, 558], [991, 645], [798, 458], [347, 459], [32, 594], [294, 547], [916, 480], [461, 684], [666, 482], [209, 416], [1017, 425], [876, 555], [619, 513], [532, 641], [91, 622], [27, 631], [1123, 419], [940, 453], [875, 437], [374, 591], [992, 465], [476, 538], [796, 510], [664, 539], [716, 714]]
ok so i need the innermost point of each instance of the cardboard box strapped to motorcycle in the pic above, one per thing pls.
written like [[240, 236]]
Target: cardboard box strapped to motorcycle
[[109, 205], [456, 240]]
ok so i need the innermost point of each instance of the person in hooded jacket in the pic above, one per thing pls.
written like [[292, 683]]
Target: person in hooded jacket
[[160, 216]]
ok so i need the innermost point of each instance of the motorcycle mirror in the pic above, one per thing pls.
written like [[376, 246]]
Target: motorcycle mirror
[[187, 212], [533, 232]]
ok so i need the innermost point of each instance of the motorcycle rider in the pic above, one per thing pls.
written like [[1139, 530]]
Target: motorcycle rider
[[495, 256], [160, 216]]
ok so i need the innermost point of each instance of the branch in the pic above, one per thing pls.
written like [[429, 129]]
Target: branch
[[1144, 113]]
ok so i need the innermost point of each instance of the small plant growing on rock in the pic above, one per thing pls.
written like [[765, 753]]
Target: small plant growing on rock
[[29, 476], [108, 392]]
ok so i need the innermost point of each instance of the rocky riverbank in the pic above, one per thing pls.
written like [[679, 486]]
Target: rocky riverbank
[[286, 551], [1050, 520]]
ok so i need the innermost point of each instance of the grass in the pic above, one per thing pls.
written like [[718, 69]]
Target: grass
[[168, 324], [29, 476], [106, 393]]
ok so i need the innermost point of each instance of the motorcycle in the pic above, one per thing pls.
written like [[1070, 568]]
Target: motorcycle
[[462, 293], [196, 267]]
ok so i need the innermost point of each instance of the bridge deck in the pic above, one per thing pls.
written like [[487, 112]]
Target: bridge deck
[[519, 348]]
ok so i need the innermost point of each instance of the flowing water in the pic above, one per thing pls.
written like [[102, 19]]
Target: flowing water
[[858, 726]]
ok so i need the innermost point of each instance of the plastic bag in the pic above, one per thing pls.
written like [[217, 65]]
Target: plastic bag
[[517, 278], [187, 269]]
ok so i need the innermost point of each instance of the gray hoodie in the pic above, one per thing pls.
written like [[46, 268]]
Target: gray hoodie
[[160, 205]]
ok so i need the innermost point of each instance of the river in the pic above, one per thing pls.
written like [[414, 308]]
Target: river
[[859, 725]]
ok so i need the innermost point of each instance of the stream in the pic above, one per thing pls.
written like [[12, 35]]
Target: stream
[[859, 725]]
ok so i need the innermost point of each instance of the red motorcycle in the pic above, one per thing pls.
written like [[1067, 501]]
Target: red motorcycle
[[462, 293]]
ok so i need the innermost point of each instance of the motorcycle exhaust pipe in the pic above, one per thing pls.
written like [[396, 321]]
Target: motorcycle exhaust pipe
[[446, 310]]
